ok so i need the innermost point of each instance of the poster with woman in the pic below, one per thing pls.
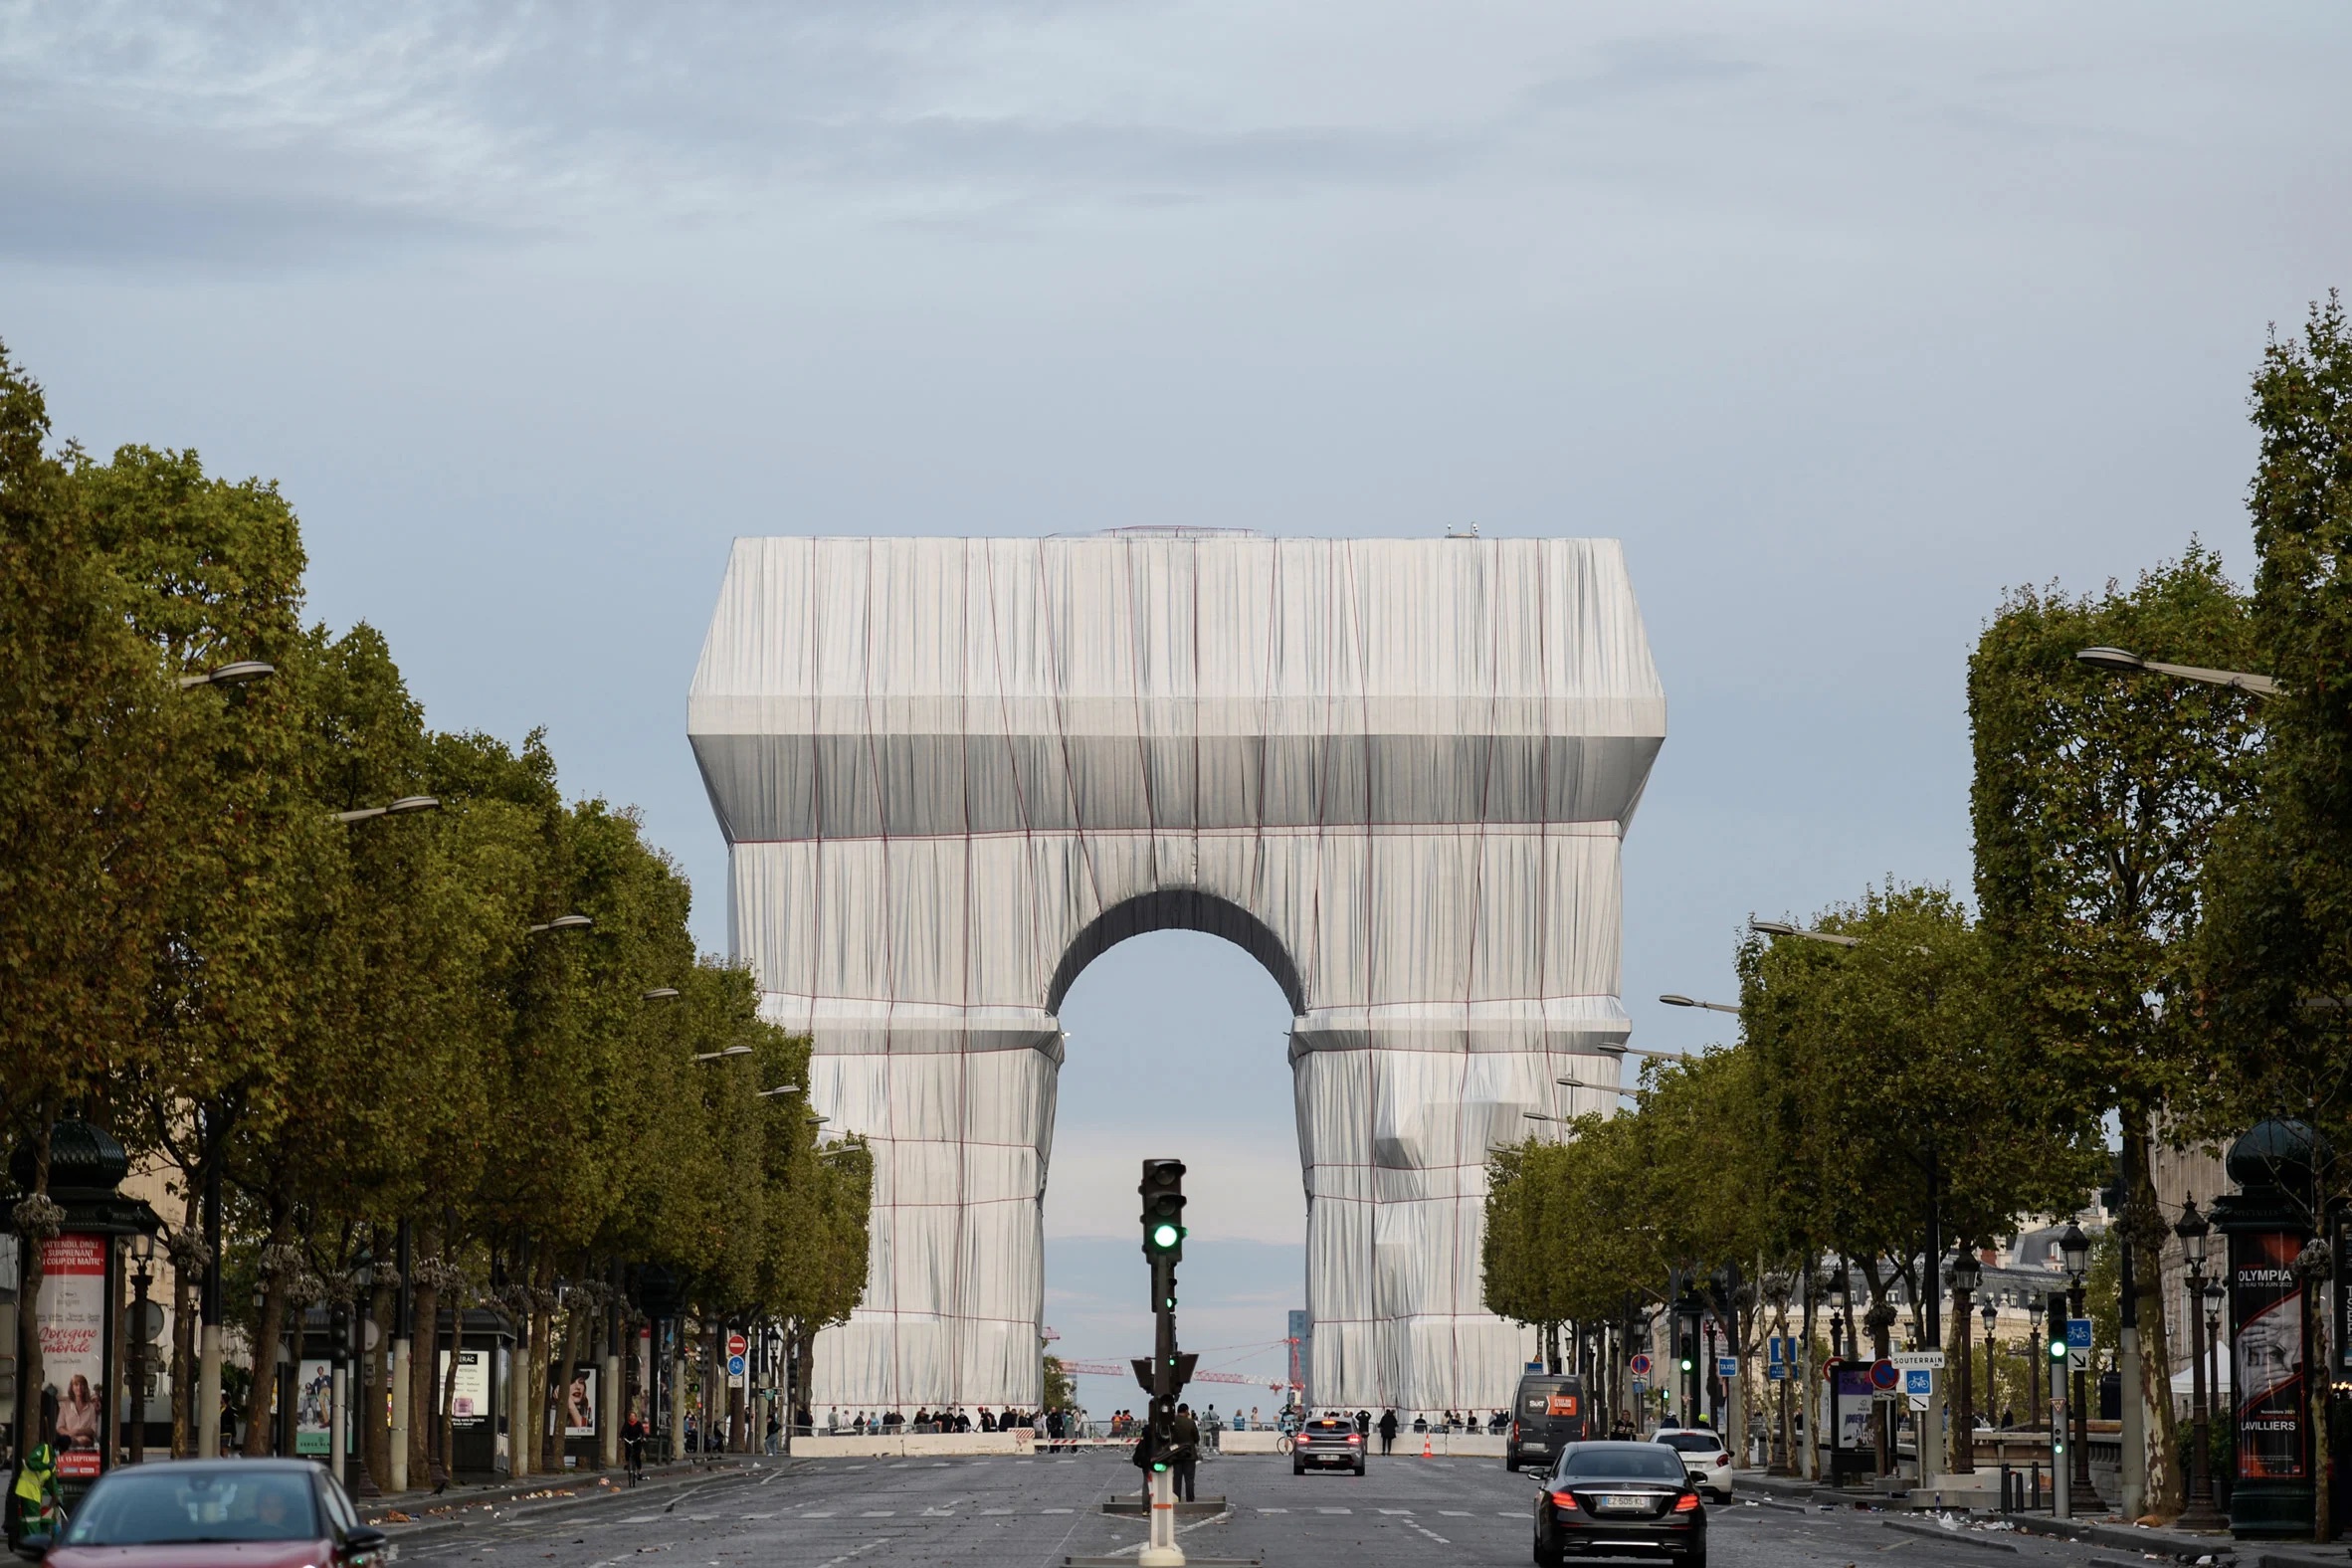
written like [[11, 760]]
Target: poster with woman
[[579, 1404], [72, 1322], [2267, 1354]]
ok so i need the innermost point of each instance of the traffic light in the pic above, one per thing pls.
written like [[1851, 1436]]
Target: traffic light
[[1162, 1191], [2057, 1327]]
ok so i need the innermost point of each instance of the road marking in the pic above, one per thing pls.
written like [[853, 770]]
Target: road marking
[[759, 1515], [1406, 1512], [1426, 1530], [879, 1513], [986, 1511], [1331, 1511], [825, 1516], [855, 1551], [641, 1518], [938, 1513], [1273, 1510], [1455, 1513]]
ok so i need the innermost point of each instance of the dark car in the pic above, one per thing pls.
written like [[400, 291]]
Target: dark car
[[1330, 1442], [1548, 1414], [211, 1513], [1619, 1500]]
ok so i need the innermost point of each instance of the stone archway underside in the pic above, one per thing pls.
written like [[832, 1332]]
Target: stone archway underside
[[951, 771]]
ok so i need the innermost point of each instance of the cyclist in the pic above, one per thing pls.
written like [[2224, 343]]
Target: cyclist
[[632, 1446]]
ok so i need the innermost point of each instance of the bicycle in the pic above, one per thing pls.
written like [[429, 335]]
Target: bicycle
[[633, 1450]]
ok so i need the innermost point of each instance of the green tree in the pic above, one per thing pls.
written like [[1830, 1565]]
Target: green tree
[[2095, 801]]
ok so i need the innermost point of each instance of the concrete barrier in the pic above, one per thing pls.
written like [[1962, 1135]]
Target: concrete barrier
[[914, 1445], [1446, 1445]]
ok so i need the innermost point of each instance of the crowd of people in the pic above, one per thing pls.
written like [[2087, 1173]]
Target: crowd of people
[[890, 1423]]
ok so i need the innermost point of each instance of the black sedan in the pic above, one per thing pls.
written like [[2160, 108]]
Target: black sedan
[[1619, 1500]]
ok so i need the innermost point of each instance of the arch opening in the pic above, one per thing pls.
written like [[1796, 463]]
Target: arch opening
[[1178, 909]]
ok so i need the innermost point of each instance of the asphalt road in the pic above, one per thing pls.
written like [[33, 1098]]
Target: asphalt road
[[1031, 1513]]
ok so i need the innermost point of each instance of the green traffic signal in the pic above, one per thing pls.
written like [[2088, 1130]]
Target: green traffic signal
[[2057, 1350], [1165, 1236], [1686, 1363]]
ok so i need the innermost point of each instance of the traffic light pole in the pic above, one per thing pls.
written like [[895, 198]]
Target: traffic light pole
[[1162, 1192], [2062, 1469]]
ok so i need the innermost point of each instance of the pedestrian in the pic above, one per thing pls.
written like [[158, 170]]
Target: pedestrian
[[775, 1430], [1142, 1460], [1388, 1430], [1187, 1456], [1420, 1422]]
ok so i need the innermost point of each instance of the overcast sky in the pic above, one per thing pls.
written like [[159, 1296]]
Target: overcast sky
[[1844, 317]]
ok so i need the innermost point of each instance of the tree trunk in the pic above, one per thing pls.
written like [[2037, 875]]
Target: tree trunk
[[376, 1410], [2166, 1493], [449, 1385], [260, 1401], [424, 1337]]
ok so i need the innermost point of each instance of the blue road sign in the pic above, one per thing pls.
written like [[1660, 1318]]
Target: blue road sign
[[1773, 1355], [1919, 1380], [2079, 1333], [734, 1366], [1726, 1366], [1776, 1373]]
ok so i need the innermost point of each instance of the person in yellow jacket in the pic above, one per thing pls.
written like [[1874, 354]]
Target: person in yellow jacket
[[34, 1502]]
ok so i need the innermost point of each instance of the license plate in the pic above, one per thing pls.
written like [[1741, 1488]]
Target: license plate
[[1624, 1501]]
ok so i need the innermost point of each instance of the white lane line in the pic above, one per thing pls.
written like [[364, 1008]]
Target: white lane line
[[639, 1518], [855, 1551], [828, 1515], [1057, 1510], [1331, 1511], [938, 1513], [1404, 1512], [1412, 1524], [986, 1511], [1455, 1513], [879, 1513], [759, 1515], [1273, 1510]]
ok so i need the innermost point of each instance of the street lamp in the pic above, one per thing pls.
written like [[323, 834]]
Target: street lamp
[[1676, 999], [1783, 928], [1965, 1274], [2126, 663], [2194, 1230], [236, 674], [781, 1089], [1597, 1089], [2033, 1406], [659, 993], [142, 1264], [2075, 1248], [730, 1050], [399, 808], [562, 922]]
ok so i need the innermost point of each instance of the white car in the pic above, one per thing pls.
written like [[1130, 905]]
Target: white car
[[1705, 1459]]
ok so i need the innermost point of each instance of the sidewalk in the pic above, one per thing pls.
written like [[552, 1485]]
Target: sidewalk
[[2186, 1547]]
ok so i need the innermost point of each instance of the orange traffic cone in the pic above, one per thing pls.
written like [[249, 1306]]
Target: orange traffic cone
[[1425, 1453]]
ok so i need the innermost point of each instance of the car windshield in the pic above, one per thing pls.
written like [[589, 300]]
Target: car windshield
[[179, 1508], [1620, 1461], [1691, 1441]]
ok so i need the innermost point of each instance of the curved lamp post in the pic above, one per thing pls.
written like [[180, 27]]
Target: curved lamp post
[[399, 808], [2124, 662], [238, 673]]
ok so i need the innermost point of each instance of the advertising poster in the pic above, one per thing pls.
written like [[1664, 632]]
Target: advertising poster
[[579, 1403], [1854, 1393], [470, 1401], [2267, 1355], [72, 1320], [313, 1394]]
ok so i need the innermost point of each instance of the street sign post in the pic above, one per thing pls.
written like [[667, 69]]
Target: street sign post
[[1641, 1366], [2079, 1344], [1912, 1360], [1918, 1385]]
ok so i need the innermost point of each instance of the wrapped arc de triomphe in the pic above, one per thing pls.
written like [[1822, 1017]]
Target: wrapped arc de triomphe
[[1397, 772]]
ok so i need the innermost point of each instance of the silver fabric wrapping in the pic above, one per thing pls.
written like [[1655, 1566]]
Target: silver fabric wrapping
[[952, 771]]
